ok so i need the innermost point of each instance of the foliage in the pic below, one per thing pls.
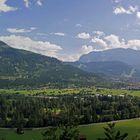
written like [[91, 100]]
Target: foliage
[[63, 132], [51, 134], [112, 134], [40, 110], [20, 130]]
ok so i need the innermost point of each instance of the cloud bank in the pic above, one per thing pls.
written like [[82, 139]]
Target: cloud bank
[[122, 10], [83, 35], [17, 30], [6, 8], [28, 3], [26, 43]]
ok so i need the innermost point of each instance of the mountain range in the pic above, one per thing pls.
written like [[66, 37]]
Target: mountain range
[[128, 56], [114, 63], [22, 69], [19, 68]]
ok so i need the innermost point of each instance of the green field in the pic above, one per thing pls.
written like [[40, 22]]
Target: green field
[[73, 91], [92, 131], [95, 131]]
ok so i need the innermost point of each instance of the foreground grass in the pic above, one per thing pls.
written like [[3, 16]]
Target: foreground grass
[[132, 127], [91, 131], [73, 91]]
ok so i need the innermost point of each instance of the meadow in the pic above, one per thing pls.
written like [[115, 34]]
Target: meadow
[[93, 90], [132, 127], [92, 131]]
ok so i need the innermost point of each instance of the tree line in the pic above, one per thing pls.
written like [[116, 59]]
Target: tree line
[[17, 110]]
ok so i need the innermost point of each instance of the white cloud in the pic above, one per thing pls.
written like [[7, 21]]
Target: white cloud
[[117, 1], [100, 43], [84, 35], [133, 9], [49, 49], [99, 33], [27, 3], [113, 41], [5, 8], [134, 44], [26, 43], [41, 34], [69, 57], [33, 28], [122, 10], [39, 2], [138, 15], [16, 30], [85, 49], [78, 25], [59, 34]]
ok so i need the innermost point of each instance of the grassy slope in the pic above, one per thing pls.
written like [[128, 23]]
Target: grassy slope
[[92, 131], [95, 131], [73, 91]]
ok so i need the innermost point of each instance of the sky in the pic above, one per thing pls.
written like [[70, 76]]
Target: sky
[[67, 29]]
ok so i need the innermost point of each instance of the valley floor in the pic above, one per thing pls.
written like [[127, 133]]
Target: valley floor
[[92, 131], [54, 92]]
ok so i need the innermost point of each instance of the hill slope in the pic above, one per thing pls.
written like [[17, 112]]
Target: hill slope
[[128, 56], [109, 68], [119, 64], [20, 68]]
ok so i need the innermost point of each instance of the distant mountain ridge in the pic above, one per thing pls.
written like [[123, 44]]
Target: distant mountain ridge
[[19, 68], [110, 69], [128, 56], [114, 63]]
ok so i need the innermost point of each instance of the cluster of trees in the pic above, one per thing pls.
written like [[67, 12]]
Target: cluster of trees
[[68, 131], [18, 110]]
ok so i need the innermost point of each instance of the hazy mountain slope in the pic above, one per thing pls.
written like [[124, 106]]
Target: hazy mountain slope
[[27, 69], [128, 56], [108, 68]]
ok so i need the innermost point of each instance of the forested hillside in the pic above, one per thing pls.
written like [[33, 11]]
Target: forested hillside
[[110, 69], [118, 64], [19, 68]]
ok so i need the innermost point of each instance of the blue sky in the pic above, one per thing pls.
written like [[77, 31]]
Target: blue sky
[[67, 29]]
